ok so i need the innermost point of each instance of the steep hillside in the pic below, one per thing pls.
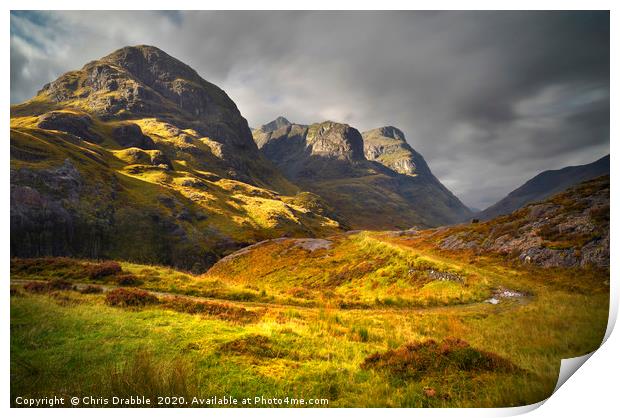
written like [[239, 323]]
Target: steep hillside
[[136, 157], [328, 159], [544, 185]]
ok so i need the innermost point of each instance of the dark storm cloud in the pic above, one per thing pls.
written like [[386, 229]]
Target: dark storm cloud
[[489, 98]]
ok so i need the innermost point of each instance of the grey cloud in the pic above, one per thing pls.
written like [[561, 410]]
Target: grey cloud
[[489, 98]]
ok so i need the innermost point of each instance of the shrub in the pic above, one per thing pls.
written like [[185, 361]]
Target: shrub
[[44, 287], [90, 289], [128, 280], [219, 310], [100, 270], [63, 298], [59, 284], [130, 297], [38, 265], [548, 232], [300, 293], [242, 296], [36, 287], [451, 355]]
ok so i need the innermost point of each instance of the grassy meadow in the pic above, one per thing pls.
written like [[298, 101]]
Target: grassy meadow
[[368, 320]]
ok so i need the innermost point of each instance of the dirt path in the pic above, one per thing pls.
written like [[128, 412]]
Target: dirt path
[[463, 307]]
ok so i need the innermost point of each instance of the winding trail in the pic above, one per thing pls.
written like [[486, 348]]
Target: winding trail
[[523, 300]]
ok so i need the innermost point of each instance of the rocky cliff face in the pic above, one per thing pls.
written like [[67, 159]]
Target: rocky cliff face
[[335, 141], [388, 146], [322, 150], [135, 156], [544, 185], [329, 159], [569, 229]]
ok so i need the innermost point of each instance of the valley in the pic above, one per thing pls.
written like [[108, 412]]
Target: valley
[[159, 247]]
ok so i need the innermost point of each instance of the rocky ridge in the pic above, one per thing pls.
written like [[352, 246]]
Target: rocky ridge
[[570, 229]]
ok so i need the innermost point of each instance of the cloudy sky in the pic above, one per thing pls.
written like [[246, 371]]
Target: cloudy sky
[[489, 98]]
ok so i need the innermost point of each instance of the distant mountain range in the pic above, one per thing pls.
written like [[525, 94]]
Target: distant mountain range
[[136, 157], [545, 185]]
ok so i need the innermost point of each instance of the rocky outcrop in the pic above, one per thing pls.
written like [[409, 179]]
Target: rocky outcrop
[[388, 146], [130, 135], [44, 213], [80, 125], [570, 229], [335, 141], [323, 150]]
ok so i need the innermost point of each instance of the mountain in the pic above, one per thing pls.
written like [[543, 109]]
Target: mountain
[[330, 159], [136, 157], [544, 185]]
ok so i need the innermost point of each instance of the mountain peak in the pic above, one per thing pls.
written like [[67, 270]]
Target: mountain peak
[[387, 132], [139, 80], [388, 146], [330, 159], [275, 124], [148, 64]]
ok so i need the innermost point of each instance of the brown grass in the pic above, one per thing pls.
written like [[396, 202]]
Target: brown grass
[[144, 375]]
